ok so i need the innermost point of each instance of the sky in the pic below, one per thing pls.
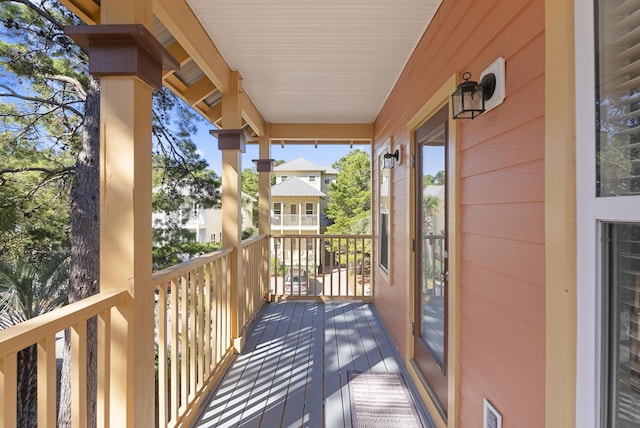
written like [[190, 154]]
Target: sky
[[323, 156]]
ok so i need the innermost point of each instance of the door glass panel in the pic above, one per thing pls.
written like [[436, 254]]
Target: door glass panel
[[433, 251], [622, 355]]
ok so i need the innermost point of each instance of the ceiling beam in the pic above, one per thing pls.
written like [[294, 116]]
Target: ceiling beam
[[178, 18], [179, 53], [251, 115], [192, 43], [322, 131], [86, 10], [214, 113], [199, 91]]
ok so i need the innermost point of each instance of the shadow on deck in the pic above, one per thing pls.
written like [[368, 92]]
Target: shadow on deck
[[293, 370]]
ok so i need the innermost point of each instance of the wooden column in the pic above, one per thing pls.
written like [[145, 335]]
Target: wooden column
[[264, 166], [129, 61], [232, 144]]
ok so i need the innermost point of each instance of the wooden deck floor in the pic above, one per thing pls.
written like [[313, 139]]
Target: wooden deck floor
[[293, 371]]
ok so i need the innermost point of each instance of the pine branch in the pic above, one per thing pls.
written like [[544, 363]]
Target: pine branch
[[70, 80], [13, 94], [43, 13], [48, 171]]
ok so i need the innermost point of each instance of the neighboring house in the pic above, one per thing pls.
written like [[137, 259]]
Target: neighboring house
[[298, 199], [298, 205], [213, 219], [205, 223]]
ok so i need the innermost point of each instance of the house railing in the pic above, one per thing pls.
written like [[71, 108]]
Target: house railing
[[194, 320], [255, 278], [293, 220], [321, 266], [193, 333], [41, 331]]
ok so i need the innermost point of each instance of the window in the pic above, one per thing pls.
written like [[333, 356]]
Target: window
[[308, 208], [327, 181], [622, 321], [277, 208], [384, 209], [384, 240], [618, 144], [608, 197], [312, 179], [283, 177]]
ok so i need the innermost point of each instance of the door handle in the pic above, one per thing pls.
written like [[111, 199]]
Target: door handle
[[444, 276]]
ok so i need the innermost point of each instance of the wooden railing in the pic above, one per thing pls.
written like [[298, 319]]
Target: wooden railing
[[195, 318], [41, 331], [255, 278], [321, 266], [193, 333]]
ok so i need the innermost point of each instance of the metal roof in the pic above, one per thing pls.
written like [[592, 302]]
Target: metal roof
[[295, 187], [302, 164]]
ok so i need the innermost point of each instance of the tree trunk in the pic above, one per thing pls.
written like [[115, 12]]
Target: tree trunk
[[85, 251], [27, 412]]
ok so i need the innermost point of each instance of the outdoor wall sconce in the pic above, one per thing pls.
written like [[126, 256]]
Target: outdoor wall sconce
[[472, 99], [468, 100], [390, 159]]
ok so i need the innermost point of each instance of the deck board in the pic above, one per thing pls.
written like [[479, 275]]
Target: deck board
[[293, 370]]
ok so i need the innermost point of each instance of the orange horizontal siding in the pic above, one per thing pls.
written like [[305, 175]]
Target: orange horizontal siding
[[519, 183], [505, 221], [500, 181], [521, 297]]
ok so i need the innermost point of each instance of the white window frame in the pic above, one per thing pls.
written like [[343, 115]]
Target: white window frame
[[592, 212]]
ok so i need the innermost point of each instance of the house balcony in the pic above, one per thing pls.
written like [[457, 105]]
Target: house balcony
[[295, 221], [202, 324]]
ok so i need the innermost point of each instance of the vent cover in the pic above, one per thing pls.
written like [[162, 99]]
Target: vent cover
[[492, 419]]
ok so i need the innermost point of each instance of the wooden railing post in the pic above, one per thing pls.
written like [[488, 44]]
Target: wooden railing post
[[264, 166], [129, 60], [232, 143]]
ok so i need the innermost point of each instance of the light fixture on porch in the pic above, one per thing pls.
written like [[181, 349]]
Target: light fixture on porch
[[390, 159], [468, 101]]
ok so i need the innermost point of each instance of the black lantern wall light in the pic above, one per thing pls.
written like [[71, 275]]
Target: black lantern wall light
[[472, 98], [391, 159]]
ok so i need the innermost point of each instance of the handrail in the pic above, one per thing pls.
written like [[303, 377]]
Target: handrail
[[249, 241], [253, 288], [322, 266], [20, 336], [186, 267]]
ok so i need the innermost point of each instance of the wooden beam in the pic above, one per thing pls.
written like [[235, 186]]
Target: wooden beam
[[87, 10], [214, 113], [322, 131], [251, 114], [561, 286], [179, 54], [199, 91], [175, 84], [179, 19]]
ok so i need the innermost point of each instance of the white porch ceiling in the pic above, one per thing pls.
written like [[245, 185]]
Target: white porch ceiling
[[323, 61]]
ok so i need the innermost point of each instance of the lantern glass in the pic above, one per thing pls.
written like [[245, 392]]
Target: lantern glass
[[468, 100], [388, 162]]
